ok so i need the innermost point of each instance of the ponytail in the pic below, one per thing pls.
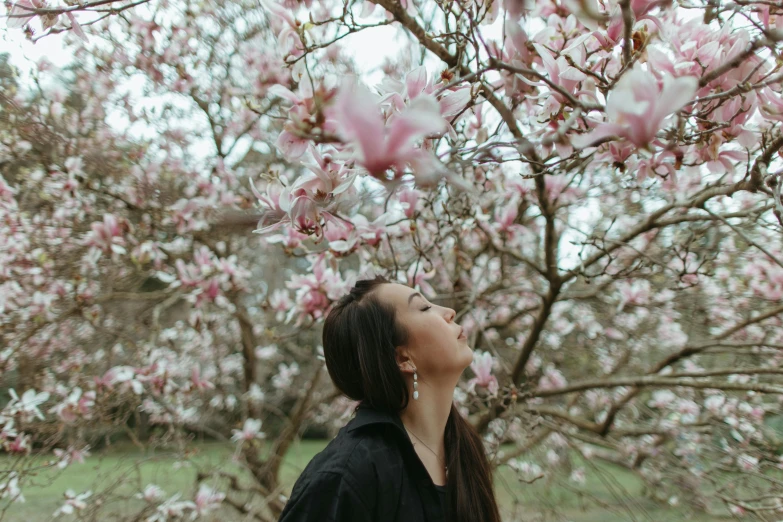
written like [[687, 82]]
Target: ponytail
[[471, 496]]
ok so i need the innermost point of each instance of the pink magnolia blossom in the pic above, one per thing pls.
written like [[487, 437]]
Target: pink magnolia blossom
[[152, 493], [73, 503], [635, 293], [21, 444], [276, 199], [331, 177], [482, 366], [206, 500], [772, 106], [21, 14], [561, 73], [379, 145], [107, 236], [71, 455], [306, 204], [305, 115], [289, 239], [305, 216], [720, 160], [338, 229], [77, 404], [662, 399], [26, 406], [198, 382], [408, 198], [637, 106], [172, 508], [10, 488], [187, 214], [125, 376], [417, 83], [285, 375], [189, 274], [250, 430], [476, 129], [77, 29], [290, 143], [660, 165], [266, 353], [342, 236], [8, 430], [640, 9], [747, 462], [287, 26], [7, 192], [372, 232], [400, 93], [280, 302], [552, 379], [149, 251], [417, 278]]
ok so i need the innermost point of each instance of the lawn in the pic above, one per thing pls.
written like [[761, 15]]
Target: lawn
[[609, 494]]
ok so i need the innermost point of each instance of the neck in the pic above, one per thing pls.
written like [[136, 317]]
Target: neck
[[426, 417]]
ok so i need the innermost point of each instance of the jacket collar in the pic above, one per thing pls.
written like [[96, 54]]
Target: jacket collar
[[366, 414]]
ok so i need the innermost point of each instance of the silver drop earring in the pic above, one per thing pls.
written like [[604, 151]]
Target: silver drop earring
[[415, 386]]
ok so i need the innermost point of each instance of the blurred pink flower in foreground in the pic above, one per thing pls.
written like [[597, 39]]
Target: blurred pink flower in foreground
[[637, 106], [482, 367], [379, 146], [18, 16]]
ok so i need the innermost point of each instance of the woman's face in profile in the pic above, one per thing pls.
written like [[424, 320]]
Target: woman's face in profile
[[434, 342]]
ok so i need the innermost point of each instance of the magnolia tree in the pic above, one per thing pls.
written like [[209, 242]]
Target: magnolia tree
[[594, 187]]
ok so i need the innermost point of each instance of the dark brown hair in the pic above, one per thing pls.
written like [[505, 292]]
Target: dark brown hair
[[360, 337]]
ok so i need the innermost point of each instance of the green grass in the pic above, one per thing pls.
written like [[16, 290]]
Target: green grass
[[609, 494]]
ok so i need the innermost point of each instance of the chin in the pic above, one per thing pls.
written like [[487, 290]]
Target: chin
[[468, 359]]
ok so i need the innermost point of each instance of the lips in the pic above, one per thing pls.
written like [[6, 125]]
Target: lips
[[461, 333]]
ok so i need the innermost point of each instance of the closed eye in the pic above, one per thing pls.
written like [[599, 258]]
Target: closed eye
[[425, 308]]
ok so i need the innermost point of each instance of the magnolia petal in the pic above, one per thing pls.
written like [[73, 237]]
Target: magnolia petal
[[291, 146], [270, 228], [576, 42], [716, 167], [17, 12], [416, 81], [676, 93], [658, 60], [360, 120], [601, 132], [77, 29], [516, 37], [748, 139], [572, 73], [283, 92], [549, 61], [346, 184], [421, 118], [453, 102]]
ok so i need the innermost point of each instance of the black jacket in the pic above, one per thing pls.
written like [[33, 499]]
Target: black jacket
[[368, 473]]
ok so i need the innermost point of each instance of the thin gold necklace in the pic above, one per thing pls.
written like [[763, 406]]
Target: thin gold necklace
[[439, 457]]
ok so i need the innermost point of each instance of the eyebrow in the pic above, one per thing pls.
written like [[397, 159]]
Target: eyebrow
[[414, 294]]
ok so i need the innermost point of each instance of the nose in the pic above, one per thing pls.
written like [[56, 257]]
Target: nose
[[450, 314]]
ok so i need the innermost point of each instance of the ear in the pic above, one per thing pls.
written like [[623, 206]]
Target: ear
[[404, 361]]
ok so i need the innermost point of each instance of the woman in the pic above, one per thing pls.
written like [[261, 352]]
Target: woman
[[397, 460]]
